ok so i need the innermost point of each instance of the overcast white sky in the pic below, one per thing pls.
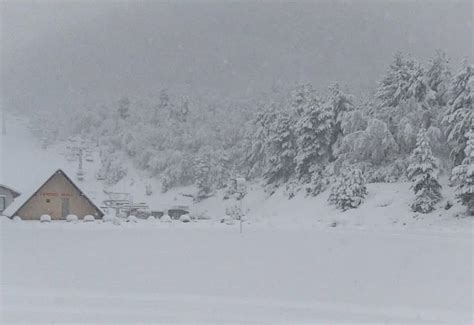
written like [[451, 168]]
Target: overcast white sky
[[62, 53]]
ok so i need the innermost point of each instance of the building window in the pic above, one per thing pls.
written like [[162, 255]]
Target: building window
[[48, 200], [3, 203]]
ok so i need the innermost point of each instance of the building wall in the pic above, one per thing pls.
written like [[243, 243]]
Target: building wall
[[49, 200], [8, 197]]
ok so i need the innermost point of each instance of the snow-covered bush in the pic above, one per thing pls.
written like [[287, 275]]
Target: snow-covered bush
[[108, 218], [151, 219], [17, 219], [423, 172], [185, 218], [234, 211], [112, 169], [375, 144], [45, 218], [88, 218], [463, 175], [116, 221], [228, 220], [165, 218], [71, 218], [387, 173], [132, 219], [349, 190]]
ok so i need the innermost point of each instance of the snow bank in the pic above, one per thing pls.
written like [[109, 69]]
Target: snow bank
[[132, 219], [228, 220], [165, 218], [89, 218], [185, 218], [45, 218], [72, 218], [17, 219], [108, 218]]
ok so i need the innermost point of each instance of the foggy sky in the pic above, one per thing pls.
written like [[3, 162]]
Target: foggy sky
[[62, 54]]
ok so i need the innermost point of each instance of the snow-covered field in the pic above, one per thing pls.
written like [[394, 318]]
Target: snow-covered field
[[208, 272], [380, 263]]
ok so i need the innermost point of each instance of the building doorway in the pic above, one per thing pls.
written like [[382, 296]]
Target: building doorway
[[65, 206]]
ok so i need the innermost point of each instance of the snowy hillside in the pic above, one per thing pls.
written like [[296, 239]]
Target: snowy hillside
[[27, 165]]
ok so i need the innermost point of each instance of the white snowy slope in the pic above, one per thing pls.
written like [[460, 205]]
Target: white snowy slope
[[381, 263], [60, 272]]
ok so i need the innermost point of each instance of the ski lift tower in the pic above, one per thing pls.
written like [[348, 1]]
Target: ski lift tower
[[80, 154]]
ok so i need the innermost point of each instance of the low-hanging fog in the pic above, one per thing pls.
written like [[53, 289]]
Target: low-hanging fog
[[61, 55]]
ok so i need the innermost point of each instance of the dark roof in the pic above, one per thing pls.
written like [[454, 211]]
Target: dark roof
[[14, 192], [70, 181]]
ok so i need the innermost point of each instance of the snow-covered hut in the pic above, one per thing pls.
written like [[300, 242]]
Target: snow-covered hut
[[58, 197]]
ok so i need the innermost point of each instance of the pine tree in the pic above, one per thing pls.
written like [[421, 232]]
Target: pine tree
[[349, 190], [202, 177], [281, 150], [313, 131], [123, 107], [184, 111], [404, 80], [464, 175], [300, 98], [341, 105], [256, 141], [438, 78], [423, 172], [459, 116]]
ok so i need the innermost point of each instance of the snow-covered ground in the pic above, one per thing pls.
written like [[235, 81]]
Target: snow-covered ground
[[208, 272], [380, 263]]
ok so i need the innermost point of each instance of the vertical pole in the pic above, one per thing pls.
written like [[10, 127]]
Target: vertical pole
[[80, 159], [241, 212]]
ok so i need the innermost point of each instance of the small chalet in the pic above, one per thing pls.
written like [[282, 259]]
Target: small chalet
[[58, 197], [7, 195]]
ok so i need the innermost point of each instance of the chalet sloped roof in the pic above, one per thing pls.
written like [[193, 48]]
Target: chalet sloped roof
[[15, 193]]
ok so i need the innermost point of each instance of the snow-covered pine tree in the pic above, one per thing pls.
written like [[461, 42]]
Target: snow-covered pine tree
[[395, 86], [341, 104], [404, 82], [459, 115], [313, 132], [301, 97], [202, 177], [123, 107], [349, 190], [464, 175], [438, 77], [184, 110], [256, 141], [281, 150], [423, 172]]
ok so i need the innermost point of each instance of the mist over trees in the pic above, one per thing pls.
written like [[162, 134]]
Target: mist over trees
[[300, 139]]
